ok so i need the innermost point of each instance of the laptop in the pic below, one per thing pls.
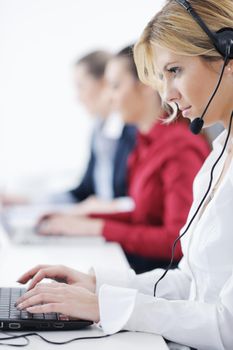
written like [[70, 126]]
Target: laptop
[[20, 224], [13, 319]]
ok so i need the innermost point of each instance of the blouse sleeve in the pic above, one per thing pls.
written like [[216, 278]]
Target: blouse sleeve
[[176, 284], [198, 324]]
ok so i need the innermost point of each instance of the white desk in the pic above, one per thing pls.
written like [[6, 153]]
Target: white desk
[[124, 341], [15, 260]]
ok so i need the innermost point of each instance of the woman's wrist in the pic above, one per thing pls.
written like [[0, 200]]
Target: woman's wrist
[[96, 227], [95, 308], [92, 281]]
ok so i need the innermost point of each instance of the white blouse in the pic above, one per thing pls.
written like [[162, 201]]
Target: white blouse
[[194, 303]]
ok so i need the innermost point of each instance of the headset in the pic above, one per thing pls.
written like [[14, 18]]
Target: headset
[[222, 39], [223, 42]]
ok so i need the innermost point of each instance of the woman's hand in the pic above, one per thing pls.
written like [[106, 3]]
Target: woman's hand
[[72, 301], [93, 204], [8, 200], [59, 273], [70, 225]]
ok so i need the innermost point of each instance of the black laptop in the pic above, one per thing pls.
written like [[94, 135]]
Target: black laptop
[[13, 319]]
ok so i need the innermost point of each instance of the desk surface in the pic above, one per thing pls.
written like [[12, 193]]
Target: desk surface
[[126, 341], [15, 260]]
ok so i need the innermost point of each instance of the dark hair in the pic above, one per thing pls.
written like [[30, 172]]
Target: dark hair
[[95, 62], [127, 53]]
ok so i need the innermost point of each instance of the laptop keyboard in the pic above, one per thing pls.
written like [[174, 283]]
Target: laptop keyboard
[[30, 236], [8, 297]]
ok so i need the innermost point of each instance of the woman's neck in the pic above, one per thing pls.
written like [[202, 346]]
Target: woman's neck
[[104, 112], [226, 115]]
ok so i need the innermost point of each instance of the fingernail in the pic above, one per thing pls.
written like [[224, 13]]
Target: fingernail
[[19, 301], [20, 306]]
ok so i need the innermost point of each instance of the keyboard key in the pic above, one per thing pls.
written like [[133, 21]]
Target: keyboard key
[[26, 316], [38, 316], [14, 317], [50, 316], [4, 317]]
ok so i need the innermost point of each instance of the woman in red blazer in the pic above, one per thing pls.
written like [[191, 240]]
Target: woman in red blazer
[[161, 170]]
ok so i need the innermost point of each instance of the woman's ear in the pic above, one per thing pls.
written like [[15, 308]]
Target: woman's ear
[[229, 71], [229, 67]]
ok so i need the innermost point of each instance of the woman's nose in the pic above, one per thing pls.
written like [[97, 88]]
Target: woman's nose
[[171, 94]]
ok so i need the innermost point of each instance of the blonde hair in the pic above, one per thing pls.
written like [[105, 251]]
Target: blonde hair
[[173, 28]]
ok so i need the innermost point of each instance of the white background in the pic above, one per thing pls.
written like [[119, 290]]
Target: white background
[[44, 133]]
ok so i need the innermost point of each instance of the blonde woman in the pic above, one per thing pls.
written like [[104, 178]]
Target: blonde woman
[[194, 303]]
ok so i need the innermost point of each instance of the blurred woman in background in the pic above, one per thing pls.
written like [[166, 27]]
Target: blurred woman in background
[[160, 176], [112, 141]]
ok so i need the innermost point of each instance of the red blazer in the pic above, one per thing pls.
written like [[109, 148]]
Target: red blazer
[[161, 170]]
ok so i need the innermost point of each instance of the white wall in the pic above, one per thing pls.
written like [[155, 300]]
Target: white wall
[[44, 133]]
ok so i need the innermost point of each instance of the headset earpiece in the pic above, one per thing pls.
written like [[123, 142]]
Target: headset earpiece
[[222, 39], [224, 42]]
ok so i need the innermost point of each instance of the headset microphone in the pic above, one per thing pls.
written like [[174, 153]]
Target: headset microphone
[[223, 43], [196, 125]]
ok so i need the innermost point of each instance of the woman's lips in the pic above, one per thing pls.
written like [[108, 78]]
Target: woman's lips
[[186, 112]]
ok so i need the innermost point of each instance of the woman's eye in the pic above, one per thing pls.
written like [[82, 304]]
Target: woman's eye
[[174, 70]]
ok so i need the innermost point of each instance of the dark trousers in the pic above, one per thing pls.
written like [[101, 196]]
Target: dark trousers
[[141, 264]]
